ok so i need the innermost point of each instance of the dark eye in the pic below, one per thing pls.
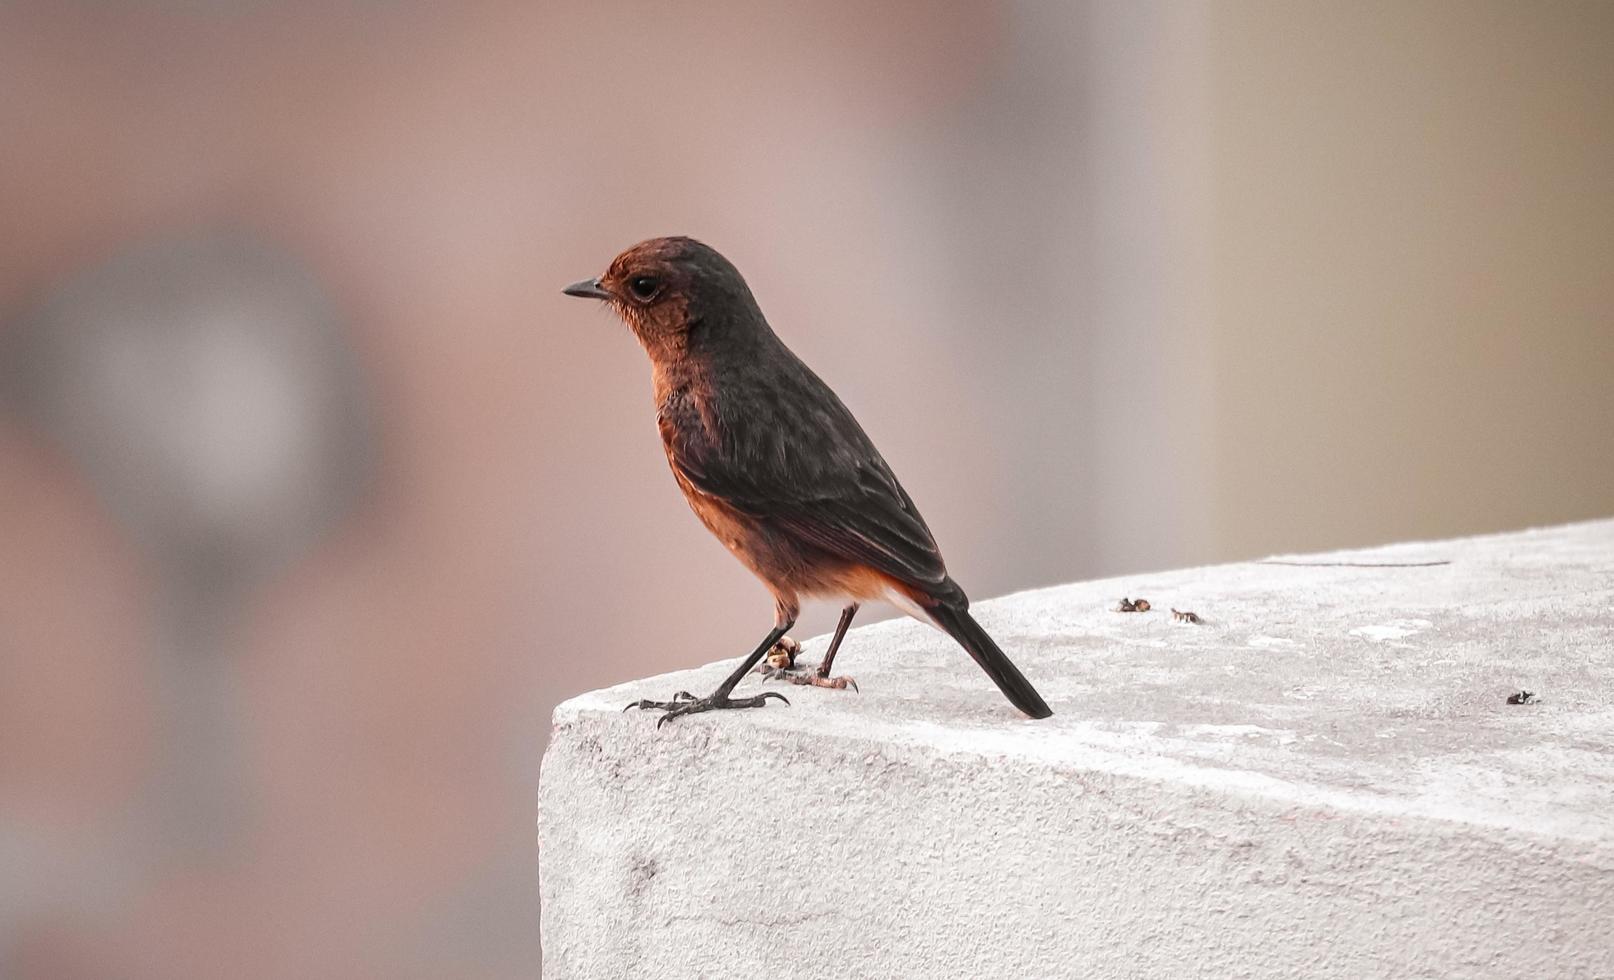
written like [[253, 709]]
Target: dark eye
[[643, 287]]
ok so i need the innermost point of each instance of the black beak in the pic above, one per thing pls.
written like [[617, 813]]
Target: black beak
[[588, 289]]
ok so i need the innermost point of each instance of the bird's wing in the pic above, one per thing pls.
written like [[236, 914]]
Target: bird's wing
[[871, 521], [812, 473]]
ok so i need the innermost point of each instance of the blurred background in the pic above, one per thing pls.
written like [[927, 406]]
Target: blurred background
[[316, 496]]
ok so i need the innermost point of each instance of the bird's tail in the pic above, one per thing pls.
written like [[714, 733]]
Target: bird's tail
[[958, 623]]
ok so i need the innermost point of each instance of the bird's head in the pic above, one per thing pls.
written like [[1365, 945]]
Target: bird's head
[[676, 293]]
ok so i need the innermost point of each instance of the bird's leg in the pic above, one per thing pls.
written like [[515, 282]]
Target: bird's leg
[[820, 676], [718, 700], [835, 645]]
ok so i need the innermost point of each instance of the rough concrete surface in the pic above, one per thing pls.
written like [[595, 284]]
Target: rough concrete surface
[[1321, 780]]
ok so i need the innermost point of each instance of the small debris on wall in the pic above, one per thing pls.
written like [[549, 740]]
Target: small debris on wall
[[782, 655]]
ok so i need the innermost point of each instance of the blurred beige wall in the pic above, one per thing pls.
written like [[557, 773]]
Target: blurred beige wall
[[1114, 286], [1414, 269]]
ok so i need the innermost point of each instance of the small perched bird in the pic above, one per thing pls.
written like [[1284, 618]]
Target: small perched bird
[[776, 467]]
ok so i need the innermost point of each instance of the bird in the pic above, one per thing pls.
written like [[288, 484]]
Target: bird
[[777, 468]]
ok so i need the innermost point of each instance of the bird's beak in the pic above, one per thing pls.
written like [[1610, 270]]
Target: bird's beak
[[588, 289]]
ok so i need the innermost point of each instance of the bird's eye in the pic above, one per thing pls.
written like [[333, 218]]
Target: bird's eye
[[643, 287]]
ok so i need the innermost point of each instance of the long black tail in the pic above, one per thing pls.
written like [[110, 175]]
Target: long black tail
[[958, 623]]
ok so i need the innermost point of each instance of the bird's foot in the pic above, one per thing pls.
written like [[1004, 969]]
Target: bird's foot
[[808, 677], [684, 703]]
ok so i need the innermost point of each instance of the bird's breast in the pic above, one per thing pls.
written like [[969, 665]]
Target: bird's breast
[[729, 525]]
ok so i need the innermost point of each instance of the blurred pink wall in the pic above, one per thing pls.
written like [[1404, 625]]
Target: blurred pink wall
[[1113, 286]]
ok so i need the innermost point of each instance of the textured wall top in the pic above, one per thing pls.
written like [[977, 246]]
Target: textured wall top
[[1337, 725]]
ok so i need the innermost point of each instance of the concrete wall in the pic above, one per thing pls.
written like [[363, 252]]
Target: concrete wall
[[1323, 778]]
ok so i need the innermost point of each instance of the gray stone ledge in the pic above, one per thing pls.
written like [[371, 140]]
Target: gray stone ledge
[[1323, 780]]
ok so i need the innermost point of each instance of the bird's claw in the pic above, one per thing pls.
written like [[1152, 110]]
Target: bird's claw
[[681, 696], [683, 703], [809, 678]]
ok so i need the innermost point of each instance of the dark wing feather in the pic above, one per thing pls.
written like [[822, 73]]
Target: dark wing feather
[[873, 527], [785, 450]]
